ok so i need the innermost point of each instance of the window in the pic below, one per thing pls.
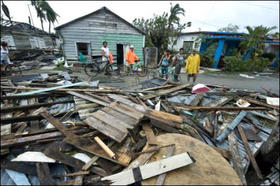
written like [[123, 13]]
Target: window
[[83, 48], [188, 45]]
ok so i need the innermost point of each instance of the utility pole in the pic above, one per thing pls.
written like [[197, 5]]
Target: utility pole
[[30, 15]]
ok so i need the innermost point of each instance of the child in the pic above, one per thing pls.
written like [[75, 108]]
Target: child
[[164, 62]]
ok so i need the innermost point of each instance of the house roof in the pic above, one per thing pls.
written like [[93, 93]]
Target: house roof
[[211, 32], [96, 12], [20, 26]]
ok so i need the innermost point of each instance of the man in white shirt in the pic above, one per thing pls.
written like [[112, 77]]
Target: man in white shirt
[[105, 51], [105, 55]]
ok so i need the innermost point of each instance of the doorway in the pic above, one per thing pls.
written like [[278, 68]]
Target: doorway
[[120, 54]]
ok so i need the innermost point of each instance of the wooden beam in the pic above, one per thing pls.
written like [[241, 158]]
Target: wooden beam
[[79, 142], [72, 174], [220, 108], [250, 100], [251, 156], [151, 138], [165, 92]]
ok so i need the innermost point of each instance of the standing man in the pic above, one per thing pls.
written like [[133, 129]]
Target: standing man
[[106, 56], [105, 51], [192, 65], [178, 61], [131, 58]]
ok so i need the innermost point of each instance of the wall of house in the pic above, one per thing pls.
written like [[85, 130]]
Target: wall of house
[[181, 39], [97, 28], [19, 41]]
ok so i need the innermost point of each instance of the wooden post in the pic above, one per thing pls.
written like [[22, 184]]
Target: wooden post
[[251, 156]]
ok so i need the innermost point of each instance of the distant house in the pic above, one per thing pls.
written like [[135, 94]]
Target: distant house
[[86, 34], [20, 35], [226, 43]]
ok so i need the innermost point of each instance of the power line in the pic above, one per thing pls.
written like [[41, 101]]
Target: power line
[[260, 6]]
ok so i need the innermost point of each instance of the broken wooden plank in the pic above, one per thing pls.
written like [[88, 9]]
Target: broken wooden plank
[[22, 167], [108, 130], [43, 173], [235, 156], [159, 87], [263, 115], [149, 170], [125, 101], [251, 156], [232, 126], [110, 153], [5, 129], [127, 110], [260, 103], [161, 178], [164, 92], [151, 139], [111, 120], [79, 142], [72, 174], [123, 117], [220, 108], [89, 98], [197, 99]]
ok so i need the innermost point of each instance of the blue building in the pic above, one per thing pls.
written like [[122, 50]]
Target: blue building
[[225, 44]]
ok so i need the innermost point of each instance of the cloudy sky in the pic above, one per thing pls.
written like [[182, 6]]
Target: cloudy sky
[[204, 15]]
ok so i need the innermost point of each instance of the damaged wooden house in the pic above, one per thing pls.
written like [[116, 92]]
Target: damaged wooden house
[[86, 34], [23, 36]]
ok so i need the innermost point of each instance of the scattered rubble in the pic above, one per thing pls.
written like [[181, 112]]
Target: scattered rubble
[[84, 133]]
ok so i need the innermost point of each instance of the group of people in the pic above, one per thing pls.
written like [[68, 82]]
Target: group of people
[[130, 58], [191, 63]]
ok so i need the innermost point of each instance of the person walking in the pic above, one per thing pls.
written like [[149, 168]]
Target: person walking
[[178, 61], [131, 58], [164, 62], [193, 65]]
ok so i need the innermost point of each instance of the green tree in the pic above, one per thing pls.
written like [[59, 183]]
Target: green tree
[[230, 28], [44, 12], [40, 12], [51, 15], [161, 28], [255, 40]]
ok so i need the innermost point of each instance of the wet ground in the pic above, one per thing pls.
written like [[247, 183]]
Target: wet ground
[[232, 80]]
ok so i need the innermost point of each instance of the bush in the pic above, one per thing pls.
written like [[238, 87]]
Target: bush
[[270, 56], [206, 61], [236, 64]]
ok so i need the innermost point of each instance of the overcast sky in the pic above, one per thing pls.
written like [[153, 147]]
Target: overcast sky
[[204, 15]]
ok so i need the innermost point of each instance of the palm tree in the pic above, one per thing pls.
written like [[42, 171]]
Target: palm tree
[[51, 15], [255, 39], [44, 12], [175, 11], [6, 11], [40, 12]]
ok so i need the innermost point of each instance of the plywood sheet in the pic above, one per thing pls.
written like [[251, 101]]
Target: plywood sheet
[[210, 167]]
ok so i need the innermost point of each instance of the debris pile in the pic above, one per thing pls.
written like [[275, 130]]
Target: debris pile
[[57, 129]]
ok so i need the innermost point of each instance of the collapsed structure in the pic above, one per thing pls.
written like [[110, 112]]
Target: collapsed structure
[[58, 129]]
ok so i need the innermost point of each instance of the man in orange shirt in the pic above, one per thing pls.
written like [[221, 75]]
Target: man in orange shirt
[[131, 58]]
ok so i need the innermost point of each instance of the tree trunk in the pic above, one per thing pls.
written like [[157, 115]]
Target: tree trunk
[[49, 27], [42, 25]]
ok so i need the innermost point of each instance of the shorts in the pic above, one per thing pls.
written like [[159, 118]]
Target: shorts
[[3, 62], [191, 75]]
